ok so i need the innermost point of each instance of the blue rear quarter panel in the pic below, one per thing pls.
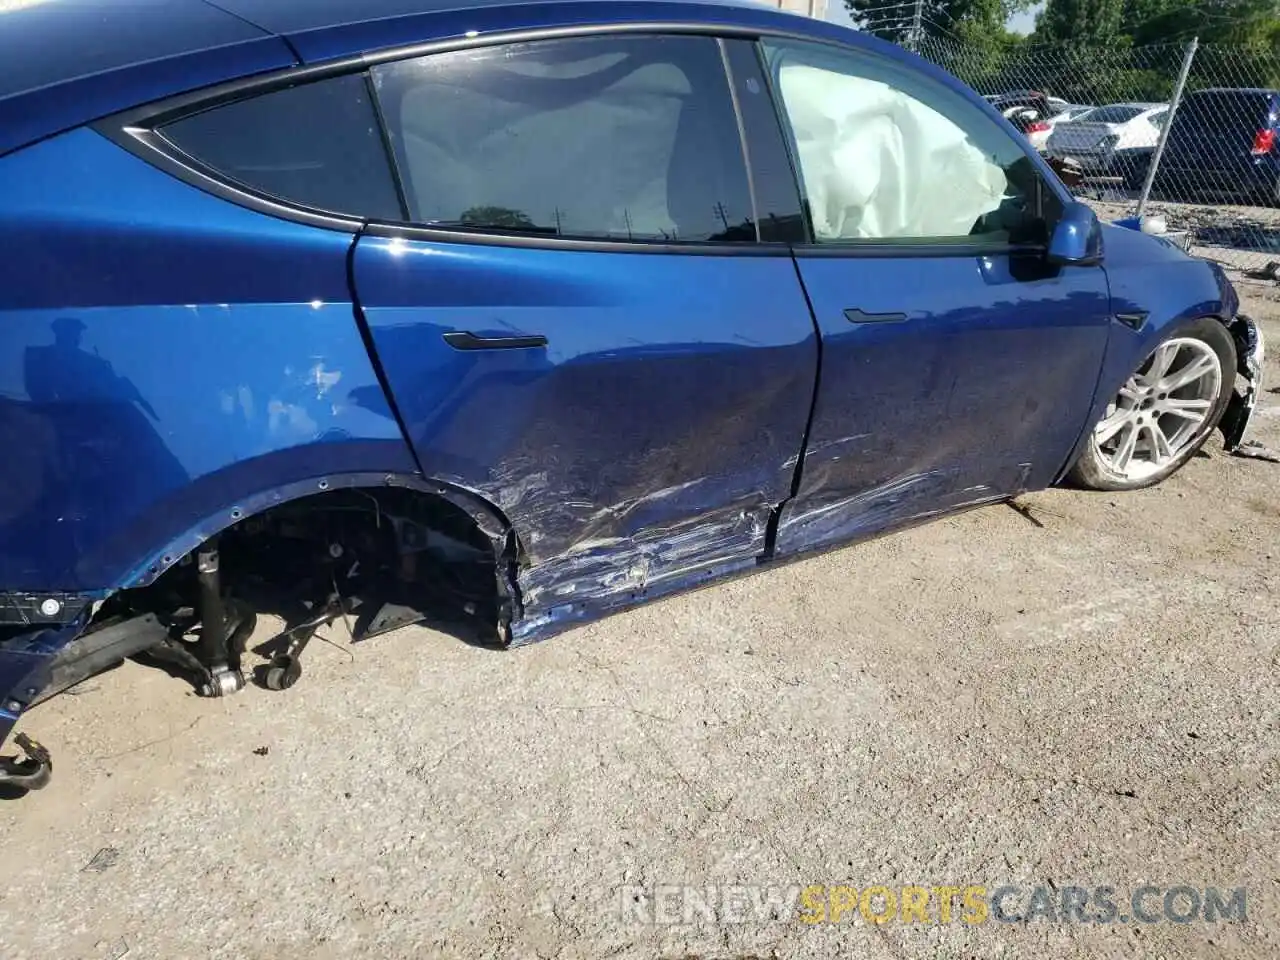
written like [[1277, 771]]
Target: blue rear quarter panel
[[163, 353]]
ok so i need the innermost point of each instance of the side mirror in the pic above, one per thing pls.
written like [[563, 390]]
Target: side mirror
[[1077, 237]]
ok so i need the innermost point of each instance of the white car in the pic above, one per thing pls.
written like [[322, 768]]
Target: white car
[[1034, 124], [1105, 140], [1065, 113]]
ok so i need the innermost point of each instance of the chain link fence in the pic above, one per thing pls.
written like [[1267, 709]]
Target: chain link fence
[[1207, 160]]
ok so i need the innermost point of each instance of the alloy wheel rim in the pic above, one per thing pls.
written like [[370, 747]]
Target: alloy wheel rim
[[1162, 409]]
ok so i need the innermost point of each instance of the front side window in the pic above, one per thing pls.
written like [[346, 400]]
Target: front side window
[[618, 138], [318, 145], [886, 154]]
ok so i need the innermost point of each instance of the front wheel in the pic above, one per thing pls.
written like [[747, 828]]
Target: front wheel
[[1164, 412]]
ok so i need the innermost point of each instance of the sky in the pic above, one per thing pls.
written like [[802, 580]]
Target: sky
[[1022, 23]]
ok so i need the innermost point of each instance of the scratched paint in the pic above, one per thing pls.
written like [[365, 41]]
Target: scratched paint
[[598, 576]]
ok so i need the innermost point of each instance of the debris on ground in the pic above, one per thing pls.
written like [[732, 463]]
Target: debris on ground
[[103, 860], [1254, 450], [1270, 272]]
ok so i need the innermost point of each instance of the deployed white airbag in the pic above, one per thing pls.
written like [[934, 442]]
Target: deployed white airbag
[[880, 164]]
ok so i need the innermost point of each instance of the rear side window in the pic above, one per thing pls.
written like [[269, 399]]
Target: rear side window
[[620, 138], [317, 145]]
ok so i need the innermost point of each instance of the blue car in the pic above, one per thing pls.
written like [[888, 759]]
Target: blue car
[[1223, 143], [506, 316]]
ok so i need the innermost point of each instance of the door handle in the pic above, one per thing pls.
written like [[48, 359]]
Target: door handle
[[854, 315], [463, 340]]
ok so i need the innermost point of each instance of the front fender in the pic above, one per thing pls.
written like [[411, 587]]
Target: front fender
[[1155, 287]]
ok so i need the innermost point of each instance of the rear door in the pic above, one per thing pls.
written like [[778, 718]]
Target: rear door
[[584, 326], [957, 366]]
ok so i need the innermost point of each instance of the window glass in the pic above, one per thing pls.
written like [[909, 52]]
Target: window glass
[[886, 154], [318, 145], [1115, 114], [624, 138]]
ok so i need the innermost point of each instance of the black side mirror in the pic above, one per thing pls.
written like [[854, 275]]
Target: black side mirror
[[1077, 237]]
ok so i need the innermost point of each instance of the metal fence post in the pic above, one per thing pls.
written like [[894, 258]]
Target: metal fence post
[[1187, 57]]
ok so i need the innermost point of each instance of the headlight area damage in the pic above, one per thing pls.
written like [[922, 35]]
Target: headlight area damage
[[377, 555], [1249, 355]]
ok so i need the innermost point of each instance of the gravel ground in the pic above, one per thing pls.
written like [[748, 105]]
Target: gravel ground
[[1081, 693]]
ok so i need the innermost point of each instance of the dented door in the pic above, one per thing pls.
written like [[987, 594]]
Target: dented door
[[958, 364], [946, 381], [637, 416], [582, 325]]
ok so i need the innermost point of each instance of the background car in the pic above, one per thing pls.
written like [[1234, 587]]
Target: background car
[[1223, 142], [512, 316], [1113, 140], [1029, 111], [1036, 114], [1069, 112]]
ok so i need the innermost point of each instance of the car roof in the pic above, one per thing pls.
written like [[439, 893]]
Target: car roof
[[1220, 90], [288, 17], [69, 62]]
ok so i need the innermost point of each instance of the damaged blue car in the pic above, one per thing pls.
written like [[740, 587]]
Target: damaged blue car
[[506, 316]]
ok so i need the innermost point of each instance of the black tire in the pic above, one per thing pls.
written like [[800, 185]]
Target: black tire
[[1092, 471]]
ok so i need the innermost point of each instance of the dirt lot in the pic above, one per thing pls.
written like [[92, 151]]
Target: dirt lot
[[1085, 697]]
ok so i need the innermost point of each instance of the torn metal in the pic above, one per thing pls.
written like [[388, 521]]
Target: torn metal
[[598, 576]]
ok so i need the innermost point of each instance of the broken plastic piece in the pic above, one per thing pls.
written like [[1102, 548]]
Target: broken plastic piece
[[1256, 451], [32, 773]]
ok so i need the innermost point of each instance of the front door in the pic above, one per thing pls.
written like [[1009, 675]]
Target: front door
[[957, 366], [584, 328]]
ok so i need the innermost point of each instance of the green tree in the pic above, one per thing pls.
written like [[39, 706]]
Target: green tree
[[1079, 23], [1251, 23], [959, 19]]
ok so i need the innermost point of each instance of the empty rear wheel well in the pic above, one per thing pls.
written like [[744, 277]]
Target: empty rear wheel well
[[371, 547]]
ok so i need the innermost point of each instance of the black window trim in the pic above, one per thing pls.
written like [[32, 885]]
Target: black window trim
[[765, 139], [388, 151], [744, 149], [137, 130]]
